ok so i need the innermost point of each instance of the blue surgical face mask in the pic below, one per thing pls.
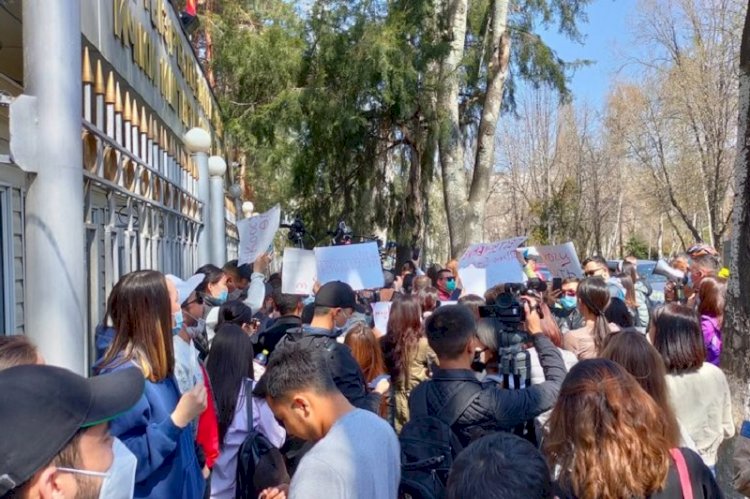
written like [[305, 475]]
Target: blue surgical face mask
[[568, 302], [222, 297], [178, 322], [450, 285]]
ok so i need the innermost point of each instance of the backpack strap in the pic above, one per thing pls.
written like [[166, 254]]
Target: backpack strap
[[683, 472], [458, 402], [249, 403]]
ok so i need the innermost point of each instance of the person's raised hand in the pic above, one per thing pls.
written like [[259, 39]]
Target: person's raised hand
[[191, 405], [278, 492], [383, 386], [533, 318], [398, 283], [261, 263]]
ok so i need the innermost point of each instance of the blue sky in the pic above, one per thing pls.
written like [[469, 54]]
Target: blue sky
[[606, 39]]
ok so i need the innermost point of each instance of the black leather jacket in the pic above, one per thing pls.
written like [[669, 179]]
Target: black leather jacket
[[496, 408]]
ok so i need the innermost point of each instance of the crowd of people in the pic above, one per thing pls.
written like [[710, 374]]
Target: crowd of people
[[220, 385]]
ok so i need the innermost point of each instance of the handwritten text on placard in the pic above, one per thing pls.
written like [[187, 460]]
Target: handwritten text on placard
[[257, 233]]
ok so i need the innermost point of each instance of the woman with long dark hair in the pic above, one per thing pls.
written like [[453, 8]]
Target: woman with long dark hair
[[640, 296], [237, 313], [593, 300], [631, 350], [698, 390], [230, 367], [159, 429], [622, 447], [407, 354], [711, 309]]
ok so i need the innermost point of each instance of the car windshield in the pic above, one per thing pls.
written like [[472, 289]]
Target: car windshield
[[646, 270]]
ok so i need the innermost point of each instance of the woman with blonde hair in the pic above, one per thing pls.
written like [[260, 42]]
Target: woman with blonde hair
[[622, 447]]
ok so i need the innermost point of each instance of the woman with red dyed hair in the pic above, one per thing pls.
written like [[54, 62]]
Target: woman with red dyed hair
[[609, 438]]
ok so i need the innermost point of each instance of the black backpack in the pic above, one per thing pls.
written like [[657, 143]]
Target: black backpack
[[429, 445], [259, 464]]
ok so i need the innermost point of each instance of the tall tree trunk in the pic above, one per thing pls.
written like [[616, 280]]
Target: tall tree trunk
[[736, 353], [451, 141], [466, 213], [497, 72]]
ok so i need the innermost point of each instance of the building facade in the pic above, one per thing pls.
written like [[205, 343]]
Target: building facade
[[107, 141]]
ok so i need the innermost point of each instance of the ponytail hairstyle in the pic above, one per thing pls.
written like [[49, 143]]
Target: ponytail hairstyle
[[593, 293]]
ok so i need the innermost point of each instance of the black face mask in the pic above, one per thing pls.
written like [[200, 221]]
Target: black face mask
[[477, 365]]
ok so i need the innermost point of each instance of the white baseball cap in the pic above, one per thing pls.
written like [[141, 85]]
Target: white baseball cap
[[185, 288]]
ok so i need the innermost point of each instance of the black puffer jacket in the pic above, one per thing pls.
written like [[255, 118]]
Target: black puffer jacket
[[496, 408]]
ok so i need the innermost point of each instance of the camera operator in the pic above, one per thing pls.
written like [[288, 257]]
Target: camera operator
[[452, 333]]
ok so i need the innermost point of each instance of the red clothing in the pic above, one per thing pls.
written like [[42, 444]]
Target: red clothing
[[208, 426]]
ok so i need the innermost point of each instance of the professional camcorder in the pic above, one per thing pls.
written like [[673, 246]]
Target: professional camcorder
[[507, 313], [342, 235], [297, 231]]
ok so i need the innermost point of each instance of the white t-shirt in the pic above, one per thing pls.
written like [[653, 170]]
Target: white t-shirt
[[703, 406], [358, 458]]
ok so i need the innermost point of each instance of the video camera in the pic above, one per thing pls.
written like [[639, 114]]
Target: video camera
[[508, 313], [297, 231], [342, 235], [513, 360]]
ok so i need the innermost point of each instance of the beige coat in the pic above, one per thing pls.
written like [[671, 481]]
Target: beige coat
[[419, 362]]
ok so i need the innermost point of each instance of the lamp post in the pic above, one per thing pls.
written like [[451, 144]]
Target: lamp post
[[198, 142], [247, 209], [217, 167], [235, 192]]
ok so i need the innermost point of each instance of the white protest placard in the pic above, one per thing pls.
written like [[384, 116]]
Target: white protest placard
[[562, 260], [298, 272], [257, 233], [484, 265], [381, 311], [358, 265]]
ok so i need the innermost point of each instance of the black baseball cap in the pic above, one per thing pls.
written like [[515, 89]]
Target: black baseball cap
[[43, 407], [336, 294]]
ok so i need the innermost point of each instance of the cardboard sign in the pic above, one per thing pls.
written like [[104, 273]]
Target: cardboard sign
[[298, 275], [355, 264], [562, 260], [484, 265], [257, 233], [381, 311]]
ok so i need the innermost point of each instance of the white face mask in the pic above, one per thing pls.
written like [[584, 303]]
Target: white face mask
[[119, 479], [197, 330]]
